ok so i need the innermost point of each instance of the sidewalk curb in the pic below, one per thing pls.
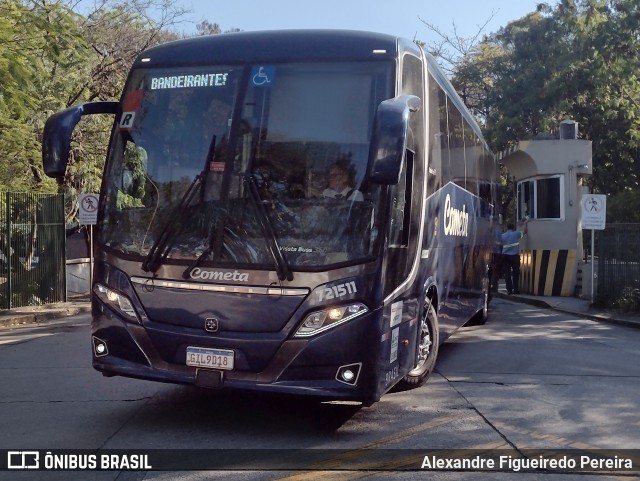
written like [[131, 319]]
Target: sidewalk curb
[[545, 305], [12, 319], [523, 300]]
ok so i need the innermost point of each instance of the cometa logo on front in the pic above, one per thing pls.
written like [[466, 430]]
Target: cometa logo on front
[[456, 222], [200, 274]]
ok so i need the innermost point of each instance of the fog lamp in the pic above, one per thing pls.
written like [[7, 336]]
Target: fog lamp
[[99, 347], [349, 374]]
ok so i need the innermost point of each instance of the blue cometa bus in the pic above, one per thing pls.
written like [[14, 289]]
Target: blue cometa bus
[[220, 260]]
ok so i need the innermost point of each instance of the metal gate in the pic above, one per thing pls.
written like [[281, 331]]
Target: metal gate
[[32, 249], [618, 262]]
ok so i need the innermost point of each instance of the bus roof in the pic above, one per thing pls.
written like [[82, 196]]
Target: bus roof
[[273, 46]]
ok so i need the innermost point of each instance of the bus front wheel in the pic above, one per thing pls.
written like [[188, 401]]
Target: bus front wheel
[[426, 347]]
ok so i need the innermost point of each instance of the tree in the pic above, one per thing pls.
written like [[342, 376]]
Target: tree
[[578, 60], [33, 36], [115, 33], [624, 207], [207, 28], [602, 90], [52, 58], [452, 49]]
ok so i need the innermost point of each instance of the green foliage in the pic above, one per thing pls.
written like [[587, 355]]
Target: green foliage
[[577, 60], [624, 207], [52, 58], [36, 38], [627, 301]]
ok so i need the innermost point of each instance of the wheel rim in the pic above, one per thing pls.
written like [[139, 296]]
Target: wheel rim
[[424, 345]]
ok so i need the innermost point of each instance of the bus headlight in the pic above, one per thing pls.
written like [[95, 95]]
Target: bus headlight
[[117, 301], [320, 321]]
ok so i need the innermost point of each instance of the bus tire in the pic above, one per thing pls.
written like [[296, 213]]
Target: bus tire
[[481, 317], [426, 346]]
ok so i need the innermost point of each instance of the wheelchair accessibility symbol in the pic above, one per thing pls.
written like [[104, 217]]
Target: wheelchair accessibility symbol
[[263, 76]]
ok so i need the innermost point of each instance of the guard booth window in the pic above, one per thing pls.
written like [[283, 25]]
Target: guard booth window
[[541, 198]]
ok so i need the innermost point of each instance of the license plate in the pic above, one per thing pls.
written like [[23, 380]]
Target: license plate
[[207, 357]]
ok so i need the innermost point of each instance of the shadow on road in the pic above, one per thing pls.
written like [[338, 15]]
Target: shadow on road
[[198, 413]]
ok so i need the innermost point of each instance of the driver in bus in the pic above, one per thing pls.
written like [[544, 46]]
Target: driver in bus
[[340, 183]]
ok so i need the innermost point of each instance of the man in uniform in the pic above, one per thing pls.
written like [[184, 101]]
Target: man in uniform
[[511, 256]]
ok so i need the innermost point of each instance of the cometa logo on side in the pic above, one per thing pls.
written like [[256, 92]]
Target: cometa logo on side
[[456, 222]]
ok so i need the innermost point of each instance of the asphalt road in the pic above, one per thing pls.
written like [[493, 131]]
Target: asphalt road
[[529, 379]]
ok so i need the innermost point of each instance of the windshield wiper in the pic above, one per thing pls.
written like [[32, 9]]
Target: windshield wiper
[[282, 268], [162, 246]]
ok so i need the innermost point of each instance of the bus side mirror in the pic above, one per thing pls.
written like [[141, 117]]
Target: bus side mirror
[[56, 137], [389, 138]]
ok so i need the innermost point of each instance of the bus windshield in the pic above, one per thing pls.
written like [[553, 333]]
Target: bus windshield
[[222, 165]]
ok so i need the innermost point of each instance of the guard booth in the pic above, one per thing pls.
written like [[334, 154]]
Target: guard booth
[[548, 173]]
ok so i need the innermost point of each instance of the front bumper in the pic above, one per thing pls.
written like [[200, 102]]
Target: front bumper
[[269, 362]]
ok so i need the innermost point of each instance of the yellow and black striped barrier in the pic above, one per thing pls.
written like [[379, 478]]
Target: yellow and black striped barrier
[[548, 272]]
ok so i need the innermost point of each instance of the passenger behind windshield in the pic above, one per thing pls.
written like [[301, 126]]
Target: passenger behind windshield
[[340, 180]]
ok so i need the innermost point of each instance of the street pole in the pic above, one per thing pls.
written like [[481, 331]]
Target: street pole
[[593, 277], [91, 259]]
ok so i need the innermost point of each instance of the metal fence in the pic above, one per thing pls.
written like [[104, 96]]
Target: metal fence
[[32, 249], [618, 248]]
